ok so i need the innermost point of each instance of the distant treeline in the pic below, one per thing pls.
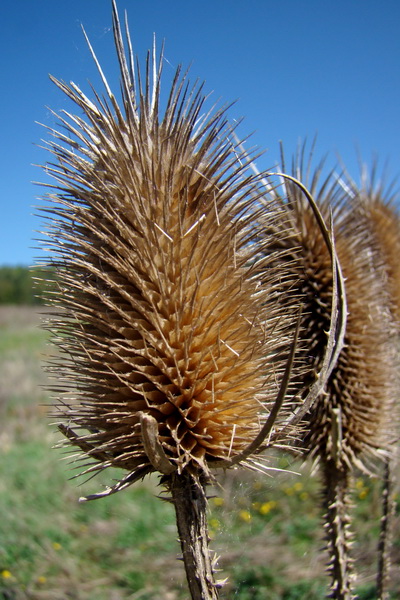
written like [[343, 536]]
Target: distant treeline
[[18, 285]]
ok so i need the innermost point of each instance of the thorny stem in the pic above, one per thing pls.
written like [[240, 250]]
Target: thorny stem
[[337, 524], [388, 508], [189, 499]]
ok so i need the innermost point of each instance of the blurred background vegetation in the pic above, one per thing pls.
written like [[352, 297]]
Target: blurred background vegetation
[[21, 285]]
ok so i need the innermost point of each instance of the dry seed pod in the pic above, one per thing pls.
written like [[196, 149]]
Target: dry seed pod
[[166, 310], [376, 205], [172, 336], [351, 425]]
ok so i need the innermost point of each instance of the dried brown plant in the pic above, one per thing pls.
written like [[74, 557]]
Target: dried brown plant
[[167, 309], [174, 320], [352, 424], [375, 202]]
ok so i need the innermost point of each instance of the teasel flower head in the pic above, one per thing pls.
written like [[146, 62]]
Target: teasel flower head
[[375, 202], [353, 424], [172, 335], [355, 384]]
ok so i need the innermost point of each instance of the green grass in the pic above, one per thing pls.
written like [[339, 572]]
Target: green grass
[[263, 583], [47, 534], [266, 529]]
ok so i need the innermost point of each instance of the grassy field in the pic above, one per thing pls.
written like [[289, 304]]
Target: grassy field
[[266, 530]]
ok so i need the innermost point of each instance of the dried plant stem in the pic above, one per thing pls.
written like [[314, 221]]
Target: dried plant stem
[[384, 545], [337, 503], [189, 499]]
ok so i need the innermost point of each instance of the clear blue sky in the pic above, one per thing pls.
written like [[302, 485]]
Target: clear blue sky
[[296, 68]]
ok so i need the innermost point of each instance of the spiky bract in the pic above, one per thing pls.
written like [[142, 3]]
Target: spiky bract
[[167, 306]]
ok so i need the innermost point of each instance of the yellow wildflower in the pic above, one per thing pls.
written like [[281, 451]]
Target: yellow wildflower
[[267, 507], [245, 516], [218, 501], [6, 574]]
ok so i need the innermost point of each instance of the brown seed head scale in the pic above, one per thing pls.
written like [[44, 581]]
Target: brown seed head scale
[[172, 337]]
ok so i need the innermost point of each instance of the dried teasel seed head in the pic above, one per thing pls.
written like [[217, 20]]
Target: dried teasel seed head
[[376, 204], [172, 338], [353, 421]]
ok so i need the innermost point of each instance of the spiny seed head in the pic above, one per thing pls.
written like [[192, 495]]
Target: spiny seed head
[[376, 203], [385, 222], [355, 418], [170, 325]]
